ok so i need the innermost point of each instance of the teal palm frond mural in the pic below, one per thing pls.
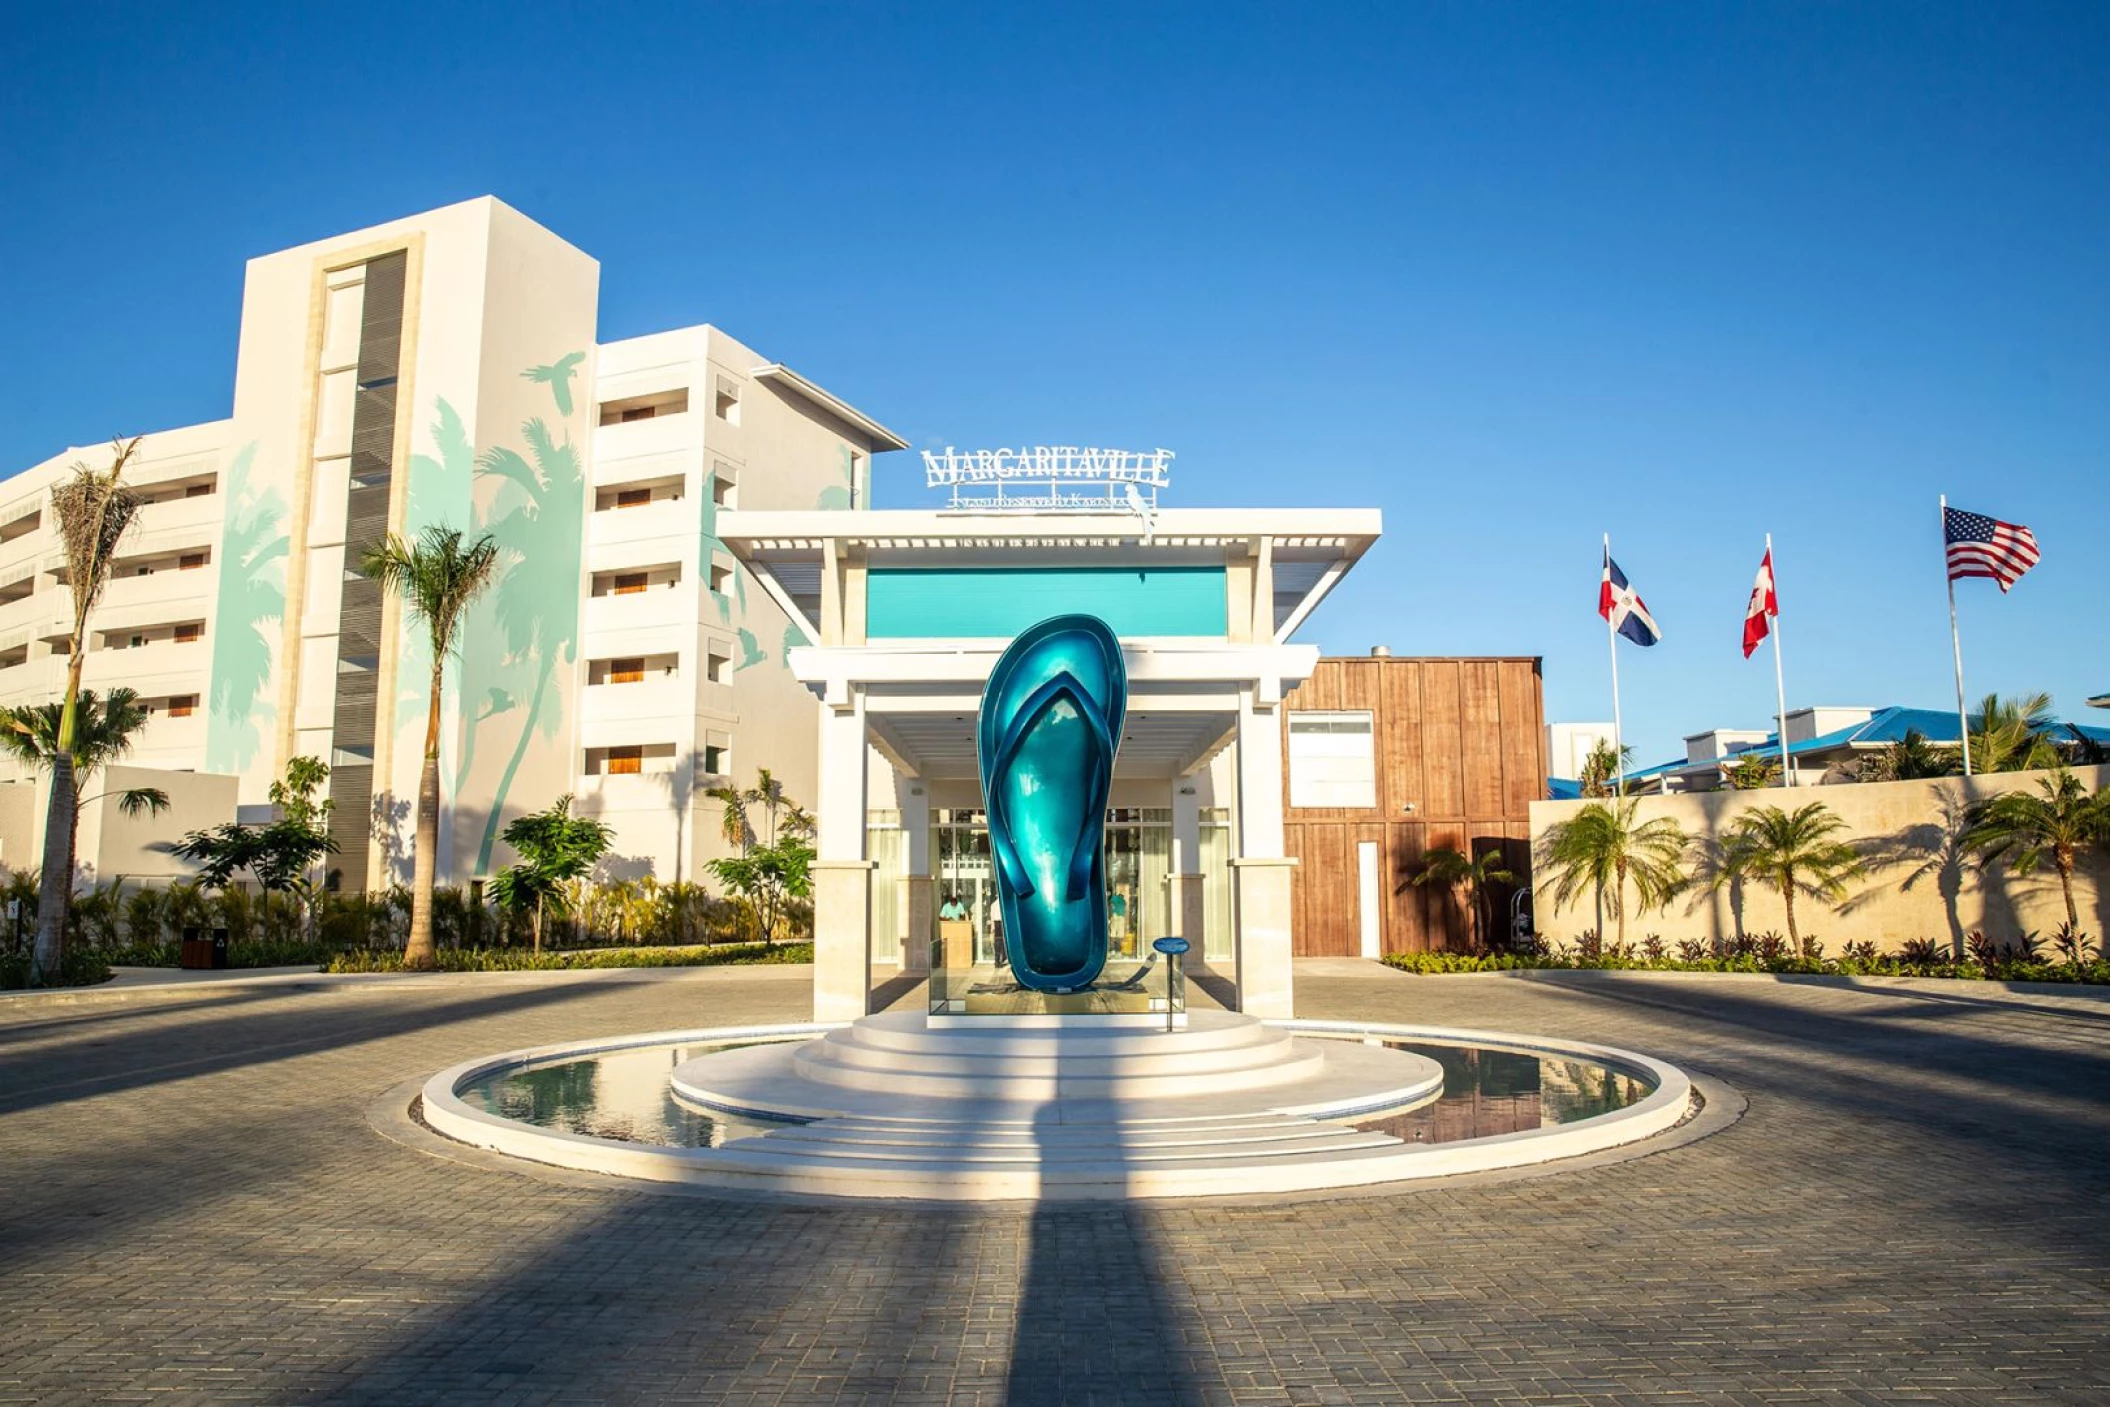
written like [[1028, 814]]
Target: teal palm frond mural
[[838, 497], [530, 623], [254, 542], [557, 376]]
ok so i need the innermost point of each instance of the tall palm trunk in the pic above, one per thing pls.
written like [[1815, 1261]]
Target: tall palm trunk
[[1787, 900], [2062, 860], [55, 891], [538, 925], [1619, 904], [418, 951]]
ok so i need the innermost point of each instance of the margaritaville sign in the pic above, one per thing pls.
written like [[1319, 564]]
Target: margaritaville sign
[[1040, 478]]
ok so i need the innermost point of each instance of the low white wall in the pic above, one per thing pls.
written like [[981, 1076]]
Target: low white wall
[[110, 843], [1920, 882]]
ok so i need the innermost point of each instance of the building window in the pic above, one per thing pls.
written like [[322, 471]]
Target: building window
[[183, 705], [1332, 760], [714, 759], [725, 493], [727, 402], [189, 634], [718, 665], [629, 671], [197, 490], [722, 578], [142, 571], [135, 642], [626, 761], [632, 498], [629, 583], [190, 561]]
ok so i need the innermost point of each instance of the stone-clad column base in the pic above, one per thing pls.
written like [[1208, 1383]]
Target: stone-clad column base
[[1262, 935], [915, 939], [842, 939]]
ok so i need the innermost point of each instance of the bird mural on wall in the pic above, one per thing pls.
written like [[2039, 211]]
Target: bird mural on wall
[[557, 376]]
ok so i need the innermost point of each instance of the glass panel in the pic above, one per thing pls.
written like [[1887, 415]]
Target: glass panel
[[887, 845], [969, 973], [1216, 887]]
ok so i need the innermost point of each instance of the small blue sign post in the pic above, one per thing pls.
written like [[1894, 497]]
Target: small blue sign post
[[1171, 948]]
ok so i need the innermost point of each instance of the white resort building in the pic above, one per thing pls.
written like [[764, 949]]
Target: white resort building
[[444, 369]]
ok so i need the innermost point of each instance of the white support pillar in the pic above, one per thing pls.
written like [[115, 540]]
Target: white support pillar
[[1261, 873], [842, 875], [916, 881], [1184, 875]]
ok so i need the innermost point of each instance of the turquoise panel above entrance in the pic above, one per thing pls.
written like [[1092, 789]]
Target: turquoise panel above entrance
[[926, 603]]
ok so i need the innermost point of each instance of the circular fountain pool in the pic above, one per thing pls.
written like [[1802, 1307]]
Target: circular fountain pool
[[1442, 1102]]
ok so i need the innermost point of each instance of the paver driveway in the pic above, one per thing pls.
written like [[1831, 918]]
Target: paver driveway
[[193, 1207]]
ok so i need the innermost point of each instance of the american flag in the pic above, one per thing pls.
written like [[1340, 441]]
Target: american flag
[[1982, 546]]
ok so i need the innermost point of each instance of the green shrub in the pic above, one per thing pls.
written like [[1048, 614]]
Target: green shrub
[[1922, 958], [521, 960], [79, 967]]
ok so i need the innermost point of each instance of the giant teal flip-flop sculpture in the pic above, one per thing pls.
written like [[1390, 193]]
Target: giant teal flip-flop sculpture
[[1049, 728]]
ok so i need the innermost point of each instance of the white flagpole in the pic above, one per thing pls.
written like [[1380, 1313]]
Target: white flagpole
[[1963, 722], [1612, 639], [1780, 681]]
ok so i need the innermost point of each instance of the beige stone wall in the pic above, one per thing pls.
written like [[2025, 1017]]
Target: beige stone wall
[[1920, 883]]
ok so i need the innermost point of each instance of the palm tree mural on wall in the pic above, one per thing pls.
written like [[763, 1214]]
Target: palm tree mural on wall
[[254, 543], [531, 624]]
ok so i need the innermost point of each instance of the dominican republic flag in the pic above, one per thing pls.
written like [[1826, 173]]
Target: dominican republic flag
[[1617, 603], [1982, 546], [1765, 604]]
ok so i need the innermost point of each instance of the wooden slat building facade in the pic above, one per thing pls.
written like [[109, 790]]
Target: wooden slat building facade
[[1459, 752]]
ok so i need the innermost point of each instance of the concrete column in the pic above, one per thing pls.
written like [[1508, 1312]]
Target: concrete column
[[1260, 875], [918, 905], [1184, 875], [842, 875]]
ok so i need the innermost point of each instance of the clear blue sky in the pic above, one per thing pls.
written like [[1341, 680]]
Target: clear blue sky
[[1515, 274]]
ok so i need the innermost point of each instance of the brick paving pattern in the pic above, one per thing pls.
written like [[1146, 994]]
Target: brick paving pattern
[[194, 1208]]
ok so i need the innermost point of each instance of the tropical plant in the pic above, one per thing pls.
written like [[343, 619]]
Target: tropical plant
[[555, 848], [1602, 768], [775, 866], [279, 854], [1605, 845], [2014, 734], [1792, 852], [1453, 868], [94, 508], [1911, 758], [437, 577], [1753, 771], [2056, 822], [103, 730]]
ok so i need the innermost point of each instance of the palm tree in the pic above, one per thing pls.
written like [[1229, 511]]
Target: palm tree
[[1753, 771], [1451, 868], [1794, 852], [1606, 845], [103, 728], [94, 508], [1602, 767], [2014, 734], [1910, 758], [2031, 828], [437, 578]]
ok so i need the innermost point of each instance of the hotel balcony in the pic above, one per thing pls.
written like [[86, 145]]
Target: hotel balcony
[[662, 706], [174, 594], [669, 523], [163, 667], [175, 523], [679, 435], [644, 622]]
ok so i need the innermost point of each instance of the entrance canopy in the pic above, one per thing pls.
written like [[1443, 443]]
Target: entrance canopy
[[910, 609]]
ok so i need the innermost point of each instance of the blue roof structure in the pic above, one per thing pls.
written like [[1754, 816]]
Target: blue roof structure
[[1881, 728]]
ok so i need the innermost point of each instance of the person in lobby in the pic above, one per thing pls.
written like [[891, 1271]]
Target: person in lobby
[[952, 907]]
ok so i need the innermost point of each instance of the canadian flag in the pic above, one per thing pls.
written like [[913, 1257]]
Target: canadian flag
[[1765, 604]]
